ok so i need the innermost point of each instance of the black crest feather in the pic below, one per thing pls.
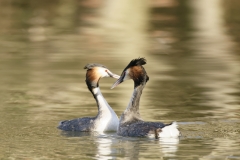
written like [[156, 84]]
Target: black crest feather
[[92, 65], [136, 62]]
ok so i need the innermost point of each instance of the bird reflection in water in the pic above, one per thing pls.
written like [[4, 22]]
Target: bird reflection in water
[[110, 145]]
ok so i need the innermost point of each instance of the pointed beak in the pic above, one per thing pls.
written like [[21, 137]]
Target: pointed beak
[[120, 80], [113, 75]]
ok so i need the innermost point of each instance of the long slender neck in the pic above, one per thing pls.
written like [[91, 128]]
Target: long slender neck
[[131, 113], [96, 92], [133, 105], [101, 102]]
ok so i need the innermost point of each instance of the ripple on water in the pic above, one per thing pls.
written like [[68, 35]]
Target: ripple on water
[[210, 129]]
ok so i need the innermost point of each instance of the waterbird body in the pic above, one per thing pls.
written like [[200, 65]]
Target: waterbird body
[[106, 119], [131, 123]]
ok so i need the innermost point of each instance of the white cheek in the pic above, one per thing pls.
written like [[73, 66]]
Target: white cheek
[[103, 72], [126, 77]]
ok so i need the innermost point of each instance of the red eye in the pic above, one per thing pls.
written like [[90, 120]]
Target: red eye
[[106, 71]]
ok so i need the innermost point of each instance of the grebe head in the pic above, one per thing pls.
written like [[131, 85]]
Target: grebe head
[[135, 71], [95, 72]]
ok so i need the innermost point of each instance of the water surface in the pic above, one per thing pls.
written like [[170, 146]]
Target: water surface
[[192, 51]]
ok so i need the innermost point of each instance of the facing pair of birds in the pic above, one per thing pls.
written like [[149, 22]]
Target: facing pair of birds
[[130, 123]]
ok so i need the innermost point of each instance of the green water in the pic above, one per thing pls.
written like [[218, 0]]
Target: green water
[[193, 61]]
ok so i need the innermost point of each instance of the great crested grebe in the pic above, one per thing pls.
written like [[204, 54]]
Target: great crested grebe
[[131, 123], [106, 119]]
